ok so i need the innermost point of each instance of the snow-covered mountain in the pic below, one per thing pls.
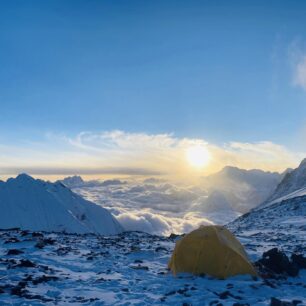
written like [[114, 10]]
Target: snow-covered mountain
[[76, 181], [243, 189], [292, 181], [279, 221], [32, 204], [73, 181]]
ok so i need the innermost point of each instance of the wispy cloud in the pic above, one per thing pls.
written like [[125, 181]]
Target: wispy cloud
[[300, 73], [119, 152], [297, 57]]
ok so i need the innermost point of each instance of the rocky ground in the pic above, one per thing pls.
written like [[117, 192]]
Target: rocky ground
[[128, 269]]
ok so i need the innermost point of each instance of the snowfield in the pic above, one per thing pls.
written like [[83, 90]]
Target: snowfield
[[130, 268], [127, 269]]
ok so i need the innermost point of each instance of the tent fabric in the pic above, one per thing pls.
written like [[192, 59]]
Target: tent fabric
[[211, 250]]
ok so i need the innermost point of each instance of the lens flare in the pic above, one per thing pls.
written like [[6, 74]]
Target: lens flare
[[198, 156]]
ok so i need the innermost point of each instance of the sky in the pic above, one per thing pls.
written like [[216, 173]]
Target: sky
[[127, 87]]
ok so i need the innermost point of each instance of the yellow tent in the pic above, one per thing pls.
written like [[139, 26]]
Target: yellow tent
[[211, 250]]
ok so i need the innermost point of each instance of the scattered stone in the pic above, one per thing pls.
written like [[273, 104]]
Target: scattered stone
[[277, 262], [173, 236], [170, 293], [24, 233], [19, 289], [299, 260], [36, 297], [139, 267], [37, 234], [40, 244], [276, 302], [12, 240], [26, 263], [161, 249], [14, 252], [44, 279], [224, 295]]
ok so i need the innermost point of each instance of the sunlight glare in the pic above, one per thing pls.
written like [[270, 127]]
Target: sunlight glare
[[198, 156]]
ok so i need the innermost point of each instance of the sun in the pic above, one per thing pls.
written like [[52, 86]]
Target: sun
[[198, 156]]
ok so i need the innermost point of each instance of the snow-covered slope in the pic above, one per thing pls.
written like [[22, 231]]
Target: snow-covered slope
[[282, 225], [243, 189], [37, 205], [281, 220], [294, 180], [127, 269]]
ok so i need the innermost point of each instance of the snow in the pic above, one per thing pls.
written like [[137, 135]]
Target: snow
[[127, 269], [37, 205], [130, 268], [293, 181], [297, 193], [278, 225]]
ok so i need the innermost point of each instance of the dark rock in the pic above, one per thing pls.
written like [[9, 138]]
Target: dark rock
[[36, 234], [24, 233], [170, 293], [276, 302], [36, 297], [182, 291], [25, 263], [40, 244], [215, 302], [161, 249], [14, 252], [43, 242], [224, 295], [12, 240], [173, 236], [139, 267], [19, 289], [44, 279], [277, 262], [299, 260]]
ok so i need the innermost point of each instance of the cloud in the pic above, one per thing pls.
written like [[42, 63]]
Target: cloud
[[157, 224], [166, 153], [119, 152], [81, 171], [297, 59], [300, 73]]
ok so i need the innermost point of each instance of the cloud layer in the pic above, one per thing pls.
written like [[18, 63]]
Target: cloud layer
[[154, 206], [119, 152]]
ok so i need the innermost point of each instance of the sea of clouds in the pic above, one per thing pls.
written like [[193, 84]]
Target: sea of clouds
[[157, 206]]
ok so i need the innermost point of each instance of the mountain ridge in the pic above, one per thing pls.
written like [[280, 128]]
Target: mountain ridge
[[35, 204]]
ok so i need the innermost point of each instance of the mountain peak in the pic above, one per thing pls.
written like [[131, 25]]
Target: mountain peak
[[33, 204], [22, 178], [303, 163], [292, 181]]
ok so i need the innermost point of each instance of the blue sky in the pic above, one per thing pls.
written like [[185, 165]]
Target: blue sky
[[222, 71]]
